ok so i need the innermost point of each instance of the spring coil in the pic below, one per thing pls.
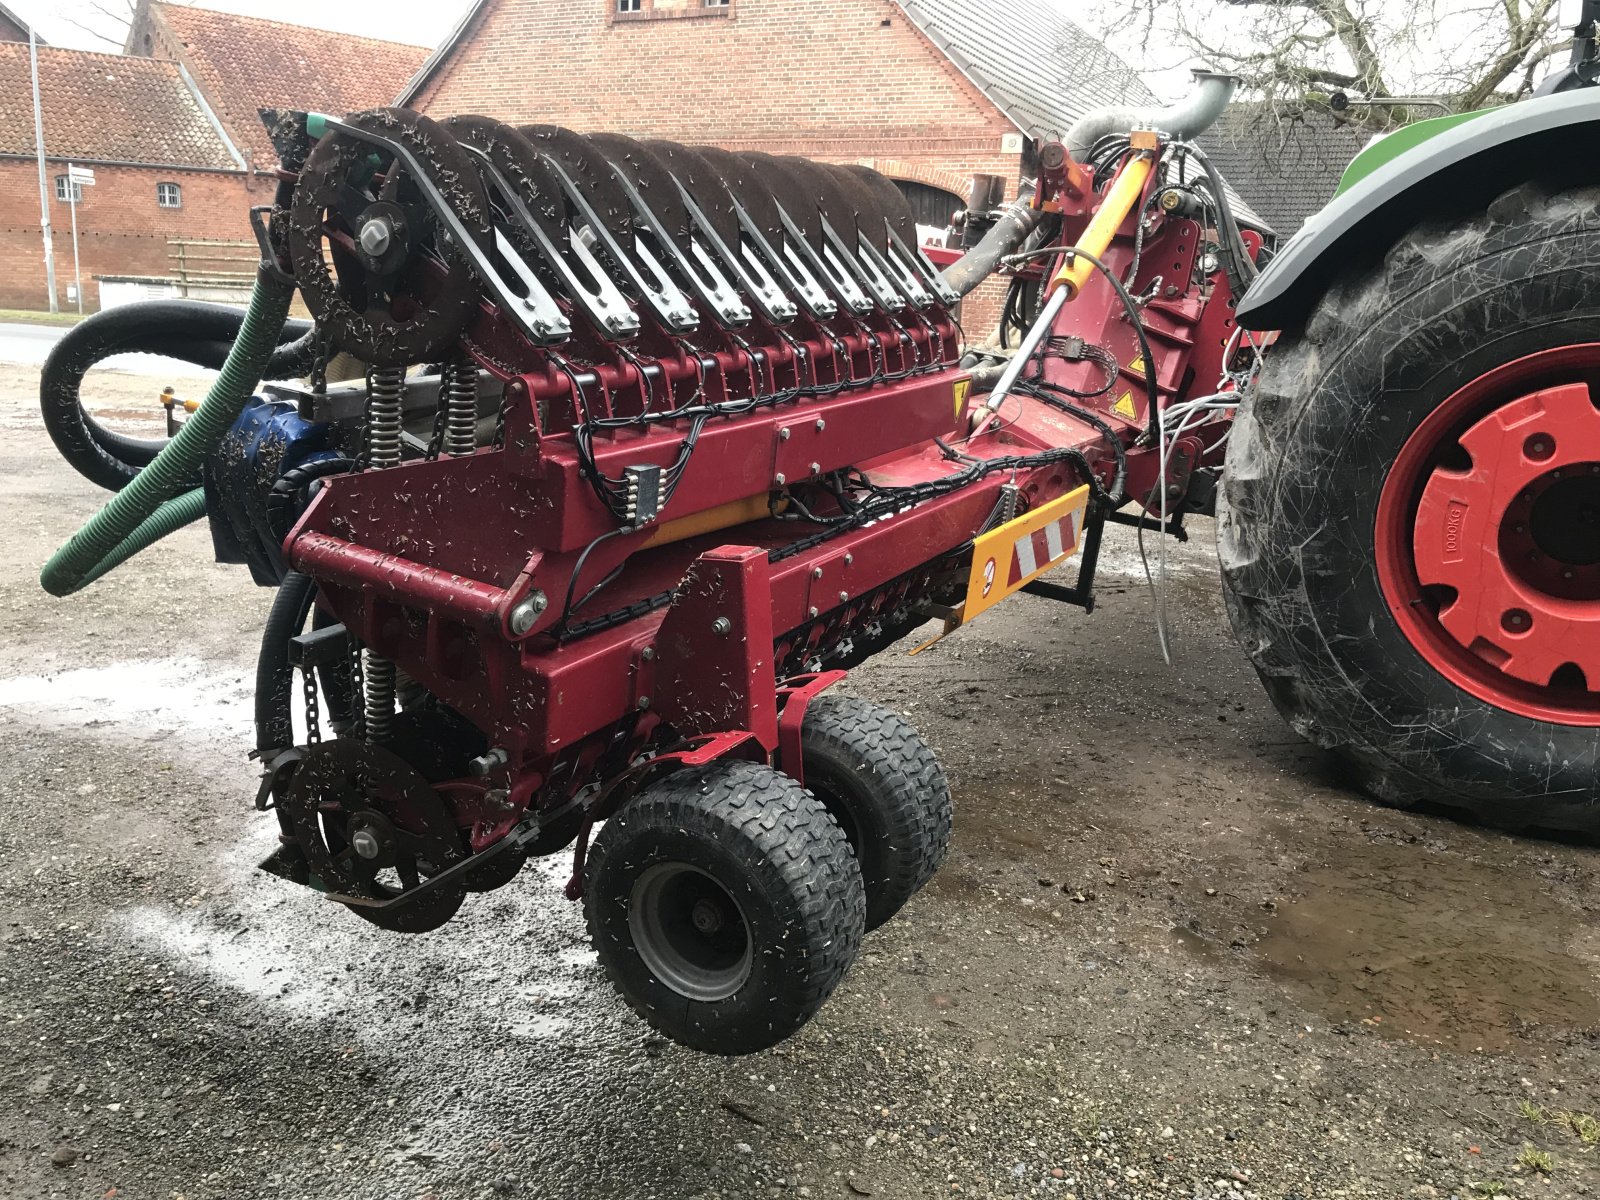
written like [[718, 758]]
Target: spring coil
[[459, 395], [385, 395], [378, 674]]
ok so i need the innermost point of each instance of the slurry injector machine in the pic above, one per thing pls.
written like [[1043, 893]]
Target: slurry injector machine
[[647, 445]]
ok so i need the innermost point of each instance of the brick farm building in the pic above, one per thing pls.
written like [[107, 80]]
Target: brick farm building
[[930, 92], [170, 130]]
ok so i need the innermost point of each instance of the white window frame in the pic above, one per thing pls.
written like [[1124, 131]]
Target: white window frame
[[66, 196], [177, 194]]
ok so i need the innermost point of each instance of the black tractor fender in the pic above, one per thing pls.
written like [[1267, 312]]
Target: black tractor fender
[[1460, 168]]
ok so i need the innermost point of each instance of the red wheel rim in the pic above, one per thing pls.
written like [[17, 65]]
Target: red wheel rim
[[1488, 537]]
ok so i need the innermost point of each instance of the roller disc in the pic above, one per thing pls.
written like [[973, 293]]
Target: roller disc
[[587, 167], [650, 176], [748, 188], [410, 300], [792, 192], [705, 184], [523, 167], [891, 202]]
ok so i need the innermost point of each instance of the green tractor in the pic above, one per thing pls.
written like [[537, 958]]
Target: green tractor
[[1410, 517]]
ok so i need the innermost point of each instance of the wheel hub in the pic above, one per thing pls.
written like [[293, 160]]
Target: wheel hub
[[689, 932], [1495, 572]]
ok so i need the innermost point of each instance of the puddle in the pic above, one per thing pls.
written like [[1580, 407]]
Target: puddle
[[1434, 947], [144, 699]]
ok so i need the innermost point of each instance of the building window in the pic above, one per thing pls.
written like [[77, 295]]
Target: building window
[[169, 195], [628, 6], [67, 191], [716, 3]]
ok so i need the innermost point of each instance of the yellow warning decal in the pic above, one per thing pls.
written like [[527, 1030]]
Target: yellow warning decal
[[1125, 407], [1010, 555], [1137, 365], [963, 388]]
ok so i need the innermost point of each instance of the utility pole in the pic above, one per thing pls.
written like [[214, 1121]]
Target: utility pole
[[44, 191], [74, 191]]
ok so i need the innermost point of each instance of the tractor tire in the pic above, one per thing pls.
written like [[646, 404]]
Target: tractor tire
[[880, 780], [725, 905], [1408, 529]]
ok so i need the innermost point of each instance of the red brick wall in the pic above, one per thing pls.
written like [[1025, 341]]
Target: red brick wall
[[838, 80], [121, 231]]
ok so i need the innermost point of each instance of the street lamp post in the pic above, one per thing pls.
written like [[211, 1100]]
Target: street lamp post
[[44, 192]]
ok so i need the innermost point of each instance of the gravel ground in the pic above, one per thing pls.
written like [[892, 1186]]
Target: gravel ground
[[1171, 954]]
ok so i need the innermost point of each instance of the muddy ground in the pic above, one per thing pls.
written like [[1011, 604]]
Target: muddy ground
[[1171, 954]]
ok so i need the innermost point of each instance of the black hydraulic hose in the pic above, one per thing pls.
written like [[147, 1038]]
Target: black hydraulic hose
[[1009, 232], [282, 511], [197, 333], [274, 674]]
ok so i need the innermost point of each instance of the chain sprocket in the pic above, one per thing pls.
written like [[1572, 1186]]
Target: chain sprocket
[[372, 828]]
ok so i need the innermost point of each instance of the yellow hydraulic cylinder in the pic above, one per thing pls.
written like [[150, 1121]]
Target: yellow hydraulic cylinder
[[1120, 200]]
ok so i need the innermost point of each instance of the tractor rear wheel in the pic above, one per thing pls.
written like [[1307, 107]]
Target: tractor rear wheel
[[725, 905], [1410, 526], [880, 780]]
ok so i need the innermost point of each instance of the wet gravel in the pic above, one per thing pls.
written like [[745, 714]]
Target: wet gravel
[[1170, 956]]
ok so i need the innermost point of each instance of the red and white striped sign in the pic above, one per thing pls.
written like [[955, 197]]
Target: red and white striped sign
[[1034, 551]]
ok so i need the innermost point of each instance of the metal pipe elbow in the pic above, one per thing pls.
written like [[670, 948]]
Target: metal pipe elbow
[[1186, 119]]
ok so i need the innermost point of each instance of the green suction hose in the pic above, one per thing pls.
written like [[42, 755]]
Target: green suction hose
[[146, 510]]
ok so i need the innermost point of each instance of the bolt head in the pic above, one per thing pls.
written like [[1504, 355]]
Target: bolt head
[[780, 479], [843, 596], [816, 468], [648, 654], [528, 610], [821, 424], [375, 236], [642, 703], [783, 434], [721, 626], [365, 843]]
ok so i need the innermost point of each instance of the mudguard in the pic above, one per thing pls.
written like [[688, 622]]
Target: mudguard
[[1466, 162]]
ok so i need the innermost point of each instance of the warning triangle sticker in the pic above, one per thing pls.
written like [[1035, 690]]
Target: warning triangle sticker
[[1137, 365], [1124, 407]]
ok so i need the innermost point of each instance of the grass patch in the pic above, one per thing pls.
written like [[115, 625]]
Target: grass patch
[[1533, 1159], [1487, 1187], [28, 317], [1584, 1126]]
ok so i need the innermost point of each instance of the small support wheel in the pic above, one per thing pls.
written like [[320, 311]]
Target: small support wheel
[[882, 783], [725, 905]]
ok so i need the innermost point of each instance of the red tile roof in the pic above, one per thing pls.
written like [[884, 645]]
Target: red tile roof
[[246, 63], [105, 108]]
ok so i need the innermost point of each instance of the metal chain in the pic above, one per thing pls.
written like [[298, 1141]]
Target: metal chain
[[313, 727]]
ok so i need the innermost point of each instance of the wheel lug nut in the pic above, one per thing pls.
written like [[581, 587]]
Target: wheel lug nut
[[1515, 620]]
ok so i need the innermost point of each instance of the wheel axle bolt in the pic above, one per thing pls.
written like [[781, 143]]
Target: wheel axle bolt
[[375, 236], [365, 843], [1539, 446]]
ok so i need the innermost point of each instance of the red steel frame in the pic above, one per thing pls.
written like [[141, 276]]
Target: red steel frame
[[424, 562]]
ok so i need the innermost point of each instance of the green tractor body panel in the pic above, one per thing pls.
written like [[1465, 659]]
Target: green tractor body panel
[[1397, 143], [1447, 164]]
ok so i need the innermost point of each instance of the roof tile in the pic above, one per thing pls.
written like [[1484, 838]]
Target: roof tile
[[243, 64], [1042, 70], [105, 108]]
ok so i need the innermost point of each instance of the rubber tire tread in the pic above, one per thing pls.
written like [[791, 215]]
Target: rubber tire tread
[[797, 861], [1307, 457], [872, 761]]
